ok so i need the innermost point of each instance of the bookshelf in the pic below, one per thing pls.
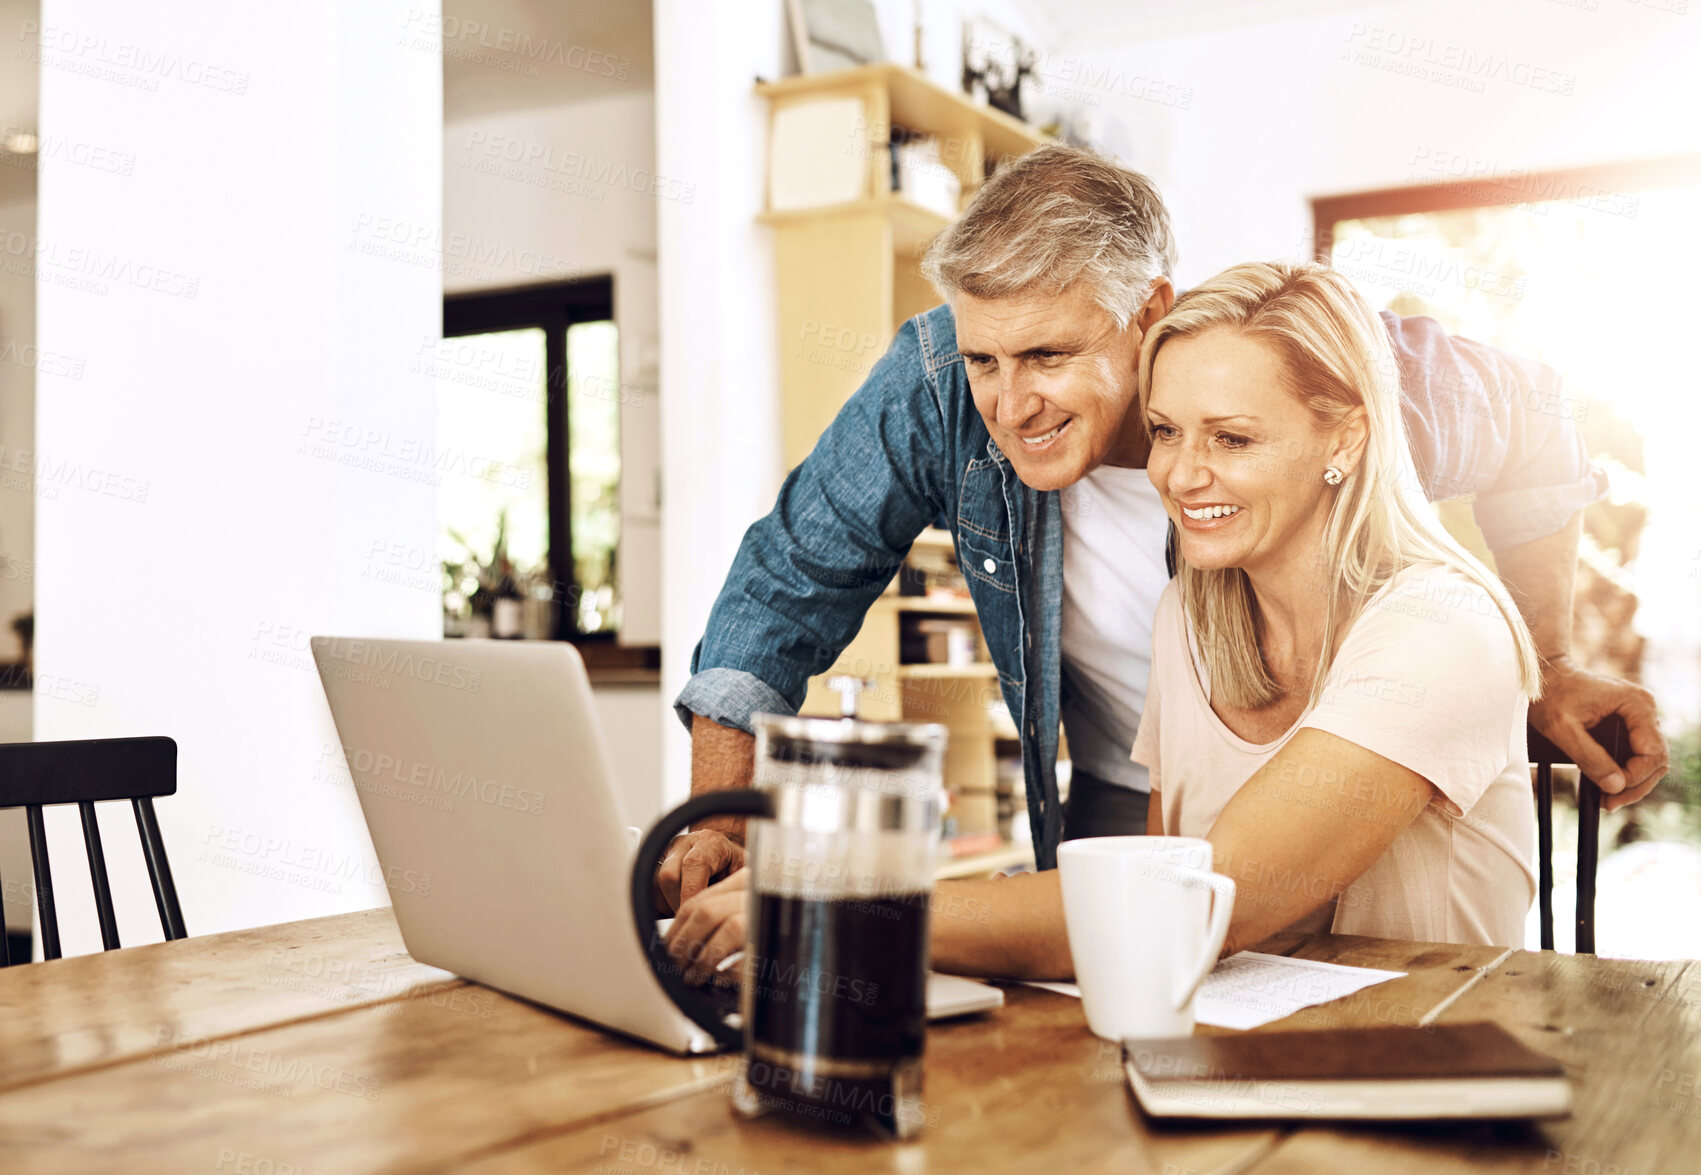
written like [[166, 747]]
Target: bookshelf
[[848, 275]]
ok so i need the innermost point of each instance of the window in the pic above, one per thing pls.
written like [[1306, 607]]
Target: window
[[1590, 271], [528, 393]]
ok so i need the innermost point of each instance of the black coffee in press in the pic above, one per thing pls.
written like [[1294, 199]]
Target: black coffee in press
[[835, 998]]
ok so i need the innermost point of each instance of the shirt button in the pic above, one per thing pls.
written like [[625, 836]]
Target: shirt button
[[991, 565]]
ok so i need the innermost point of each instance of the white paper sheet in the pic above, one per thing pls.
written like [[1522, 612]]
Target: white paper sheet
[[1249, 989]]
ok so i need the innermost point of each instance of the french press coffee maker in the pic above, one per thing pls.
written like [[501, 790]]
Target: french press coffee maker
[[843, 842]]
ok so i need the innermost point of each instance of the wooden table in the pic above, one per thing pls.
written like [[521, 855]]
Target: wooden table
[[319, 1047]]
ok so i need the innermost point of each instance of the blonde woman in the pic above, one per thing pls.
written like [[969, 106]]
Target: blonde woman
[[1338, 690]]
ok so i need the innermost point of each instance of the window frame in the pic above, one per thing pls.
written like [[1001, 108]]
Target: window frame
[[1514, 187], [553, 307]]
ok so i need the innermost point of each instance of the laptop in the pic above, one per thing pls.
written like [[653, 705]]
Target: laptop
[[484, 778]]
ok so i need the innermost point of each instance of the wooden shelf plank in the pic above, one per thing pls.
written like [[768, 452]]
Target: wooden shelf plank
[[913, 227], [954, 607], [1006, 857], [918, 103], [978, 669]]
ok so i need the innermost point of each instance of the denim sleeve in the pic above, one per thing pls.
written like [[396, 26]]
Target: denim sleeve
[[1482, 421], [806, 574]]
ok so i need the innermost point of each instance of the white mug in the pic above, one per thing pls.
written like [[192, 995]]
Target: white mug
[[1146, 920]]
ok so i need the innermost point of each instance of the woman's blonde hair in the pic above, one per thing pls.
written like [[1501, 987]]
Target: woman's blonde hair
[[1335, 356]]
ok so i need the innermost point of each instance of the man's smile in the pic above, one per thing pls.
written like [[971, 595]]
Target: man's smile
[[1035, 443]]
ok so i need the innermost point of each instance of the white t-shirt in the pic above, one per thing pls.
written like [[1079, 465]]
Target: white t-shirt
[[1114, 530], [1427, 677]]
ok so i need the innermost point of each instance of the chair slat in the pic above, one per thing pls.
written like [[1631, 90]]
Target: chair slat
[[159, 869], [1544, 849], [1613, 734], [43, 883], [5, 932], [1588, 855], [97, 874], [88, 770], [85, 772]]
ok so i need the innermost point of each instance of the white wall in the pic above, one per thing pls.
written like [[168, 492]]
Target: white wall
[[201, 508], [1242, 127], [719, 361], [564, 191]]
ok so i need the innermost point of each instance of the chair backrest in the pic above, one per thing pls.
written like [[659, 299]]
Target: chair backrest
[[1614, 736], [85, 772]]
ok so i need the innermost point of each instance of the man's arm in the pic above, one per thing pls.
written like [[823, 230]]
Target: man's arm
[[1484, 422], [722, 758], [802, 582], [1540, 576]]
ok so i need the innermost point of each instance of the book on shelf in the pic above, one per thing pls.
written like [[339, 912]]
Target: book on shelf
[[922, 177]]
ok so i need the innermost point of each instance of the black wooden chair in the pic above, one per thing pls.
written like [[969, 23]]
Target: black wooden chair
[[85, 772], [1544, 757]]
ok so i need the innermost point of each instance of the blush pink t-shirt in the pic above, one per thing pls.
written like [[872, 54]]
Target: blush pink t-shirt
[[1427, 677]]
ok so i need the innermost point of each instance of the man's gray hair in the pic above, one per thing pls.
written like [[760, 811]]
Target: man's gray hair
[[1054, 217]]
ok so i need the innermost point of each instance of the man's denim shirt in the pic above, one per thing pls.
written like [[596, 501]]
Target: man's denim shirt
[[909, 449]]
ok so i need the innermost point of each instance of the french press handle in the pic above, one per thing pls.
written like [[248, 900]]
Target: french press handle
[[696, 1005]]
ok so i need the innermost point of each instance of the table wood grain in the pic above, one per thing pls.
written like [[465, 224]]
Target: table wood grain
[[1629, 1036], [92, 1010], [319, 1048]]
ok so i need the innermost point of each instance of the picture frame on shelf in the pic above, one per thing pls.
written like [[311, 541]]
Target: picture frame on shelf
[[831, 35], [996, 64]]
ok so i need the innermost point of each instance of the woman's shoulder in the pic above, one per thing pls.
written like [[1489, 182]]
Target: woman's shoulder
[[1433, 603], [1169, 600], [1441, 588], [1172, 643], [1167, 620]]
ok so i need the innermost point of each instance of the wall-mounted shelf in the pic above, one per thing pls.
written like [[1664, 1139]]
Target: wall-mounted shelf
[[912, 226], [917, 672], [937, 605], [848, 277], [909, 98], [977, 864], [849, 272]]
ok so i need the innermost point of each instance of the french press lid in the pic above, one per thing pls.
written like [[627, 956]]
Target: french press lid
[[849, 741]]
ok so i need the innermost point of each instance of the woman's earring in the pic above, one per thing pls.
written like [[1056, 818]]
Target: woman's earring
[[1332, 476]]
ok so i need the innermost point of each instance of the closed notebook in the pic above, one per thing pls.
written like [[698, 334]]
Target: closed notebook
[[1443, 1071]]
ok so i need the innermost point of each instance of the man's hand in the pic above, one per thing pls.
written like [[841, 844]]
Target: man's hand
[[693, 862], [1573, 700], [1541, 576], [709, 927]]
